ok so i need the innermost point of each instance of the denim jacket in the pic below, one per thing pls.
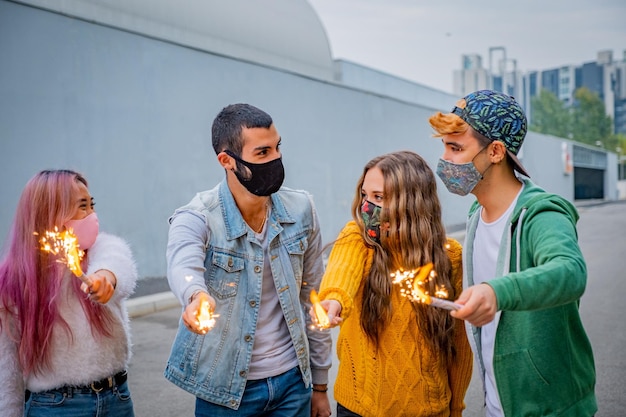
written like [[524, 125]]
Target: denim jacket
[[211, 248]]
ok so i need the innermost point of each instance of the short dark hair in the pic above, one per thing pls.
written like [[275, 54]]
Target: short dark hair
[[227, 126], [484, 141]]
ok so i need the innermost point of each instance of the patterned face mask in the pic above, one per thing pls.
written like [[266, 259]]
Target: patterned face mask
[[459, 178], [370, 213]]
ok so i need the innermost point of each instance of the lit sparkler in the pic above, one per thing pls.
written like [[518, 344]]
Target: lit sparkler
[[321, 316], [206, 318], [412, 282], [204, 315], [65, 245]]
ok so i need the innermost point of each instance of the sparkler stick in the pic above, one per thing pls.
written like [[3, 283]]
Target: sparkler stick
[[436, 302], [415, 282], [323, 321], [427, 299], [65, 245]]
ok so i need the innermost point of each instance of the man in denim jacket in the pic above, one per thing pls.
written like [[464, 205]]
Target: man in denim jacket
[[253, 251]]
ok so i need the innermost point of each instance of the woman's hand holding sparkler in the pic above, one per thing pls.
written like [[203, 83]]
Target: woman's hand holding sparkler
[[198, 315], [478, 305], [333, 309], [100, 286], [64, 245], [325, 314]]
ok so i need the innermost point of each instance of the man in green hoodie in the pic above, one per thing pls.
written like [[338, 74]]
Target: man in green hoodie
[[524, 271]]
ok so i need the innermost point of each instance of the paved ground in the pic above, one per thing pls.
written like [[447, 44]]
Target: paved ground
[[153, 395], [602, 237]]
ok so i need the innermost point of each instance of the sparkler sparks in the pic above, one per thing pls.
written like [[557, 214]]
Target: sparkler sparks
[[412, 283], [321, 317], [64, 245]]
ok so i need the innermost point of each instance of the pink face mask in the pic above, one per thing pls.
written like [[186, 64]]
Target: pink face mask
[[86, 230]]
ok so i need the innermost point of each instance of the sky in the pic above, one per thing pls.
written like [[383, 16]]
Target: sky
[[424, 40]]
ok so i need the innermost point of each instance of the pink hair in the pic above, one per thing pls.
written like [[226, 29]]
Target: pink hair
[[30, 280]]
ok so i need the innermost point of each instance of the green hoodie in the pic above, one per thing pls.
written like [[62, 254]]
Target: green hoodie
[[543, 362]]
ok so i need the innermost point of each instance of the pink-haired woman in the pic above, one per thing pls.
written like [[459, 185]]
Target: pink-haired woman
[[64, 345]]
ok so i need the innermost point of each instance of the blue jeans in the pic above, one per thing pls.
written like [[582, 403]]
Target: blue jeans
[[344, 412], [115, 402], [280, 396]]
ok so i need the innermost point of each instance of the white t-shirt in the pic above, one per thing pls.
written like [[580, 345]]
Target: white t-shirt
[[273, 352], [485, 257]]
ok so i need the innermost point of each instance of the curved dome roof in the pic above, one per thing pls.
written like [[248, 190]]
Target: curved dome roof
[[285, 34]]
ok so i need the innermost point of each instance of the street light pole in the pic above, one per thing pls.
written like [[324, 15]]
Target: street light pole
[[621, 159]]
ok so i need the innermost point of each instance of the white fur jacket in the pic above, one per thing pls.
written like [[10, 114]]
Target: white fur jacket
[[81, 359]]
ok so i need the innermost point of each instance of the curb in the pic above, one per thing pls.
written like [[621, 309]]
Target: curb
[[152, 303], [460, 236]]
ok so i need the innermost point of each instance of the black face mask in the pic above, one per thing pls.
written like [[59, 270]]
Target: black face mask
[[264, 179]]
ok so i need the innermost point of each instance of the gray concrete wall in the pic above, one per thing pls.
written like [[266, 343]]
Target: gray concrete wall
[[542, 156], [611, 186], [134, 115]]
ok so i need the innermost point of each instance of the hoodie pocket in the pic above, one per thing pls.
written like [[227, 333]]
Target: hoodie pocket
[[525, 386]]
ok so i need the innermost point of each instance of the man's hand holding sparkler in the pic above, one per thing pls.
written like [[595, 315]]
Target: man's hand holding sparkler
[[198, 315], [100, 285], [479, 305]]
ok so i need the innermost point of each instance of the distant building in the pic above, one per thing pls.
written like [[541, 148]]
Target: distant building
[[615, 91], [605, 77], [472, 76], [591, 75], [501, 75]]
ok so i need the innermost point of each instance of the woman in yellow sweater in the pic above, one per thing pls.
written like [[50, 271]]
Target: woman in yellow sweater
[[396, 357]]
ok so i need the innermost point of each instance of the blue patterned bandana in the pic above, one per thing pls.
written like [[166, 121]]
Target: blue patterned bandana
[[497, 117]]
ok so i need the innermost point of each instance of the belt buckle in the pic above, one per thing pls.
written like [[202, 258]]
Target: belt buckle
[[98, 386]]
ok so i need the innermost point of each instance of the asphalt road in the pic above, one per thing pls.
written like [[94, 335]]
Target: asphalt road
[[602, 235]]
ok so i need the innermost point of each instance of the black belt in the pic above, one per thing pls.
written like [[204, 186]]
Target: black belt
[[108, 383], [96, 386]]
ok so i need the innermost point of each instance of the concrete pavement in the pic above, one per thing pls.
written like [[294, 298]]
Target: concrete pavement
[[154, 396], [601, 233]]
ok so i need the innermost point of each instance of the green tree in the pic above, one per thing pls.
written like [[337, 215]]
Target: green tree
[[621, 143], [549, 115], [591, 124]]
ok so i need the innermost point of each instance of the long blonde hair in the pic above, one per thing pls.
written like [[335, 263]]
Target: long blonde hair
[[415, 236]]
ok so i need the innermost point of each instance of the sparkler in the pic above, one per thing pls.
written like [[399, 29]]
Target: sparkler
[[206, 318], [323, 321], [413, 283], [65, 245]]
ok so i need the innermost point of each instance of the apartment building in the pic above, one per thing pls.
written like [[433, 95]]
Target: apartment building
[[605, 76]]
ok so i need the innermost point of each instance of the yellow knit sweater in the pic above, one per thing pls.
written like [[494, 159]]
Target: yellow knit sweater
[[405, 377]]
